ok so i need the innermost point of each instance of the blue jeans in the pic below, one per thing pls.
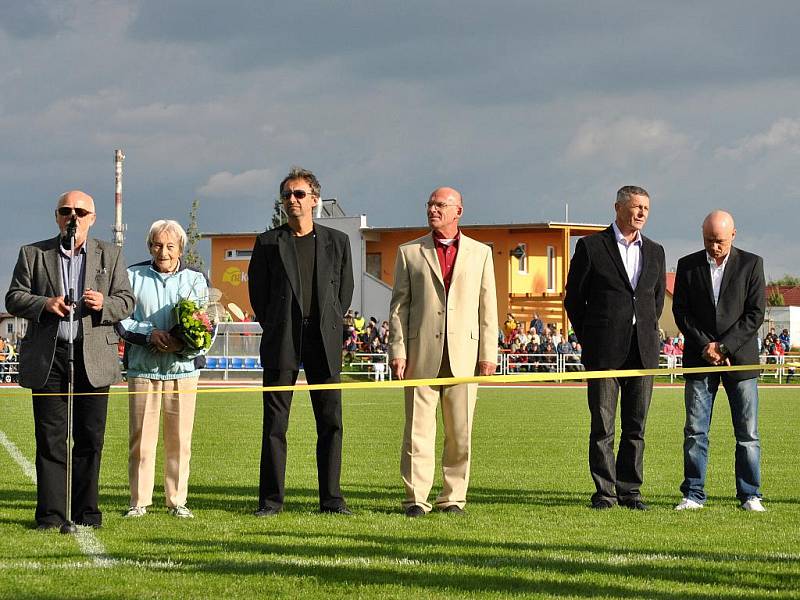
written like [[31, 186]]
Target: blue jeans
[[743, 399]]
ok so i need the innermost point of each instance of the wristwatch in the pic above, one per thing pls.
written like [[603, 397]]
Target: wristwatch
[[724, 349]]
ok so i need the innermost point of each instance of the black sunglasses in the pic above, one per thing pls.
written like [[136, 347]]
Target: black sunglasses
[[66, 211], [299, 194]]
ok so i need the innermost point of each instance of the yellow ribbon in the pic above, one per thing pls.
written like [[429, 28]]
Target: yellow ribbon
[[484, 380]]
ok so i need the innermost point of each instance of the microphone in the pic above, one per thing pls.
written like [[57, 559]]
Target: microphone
[[69, 234]]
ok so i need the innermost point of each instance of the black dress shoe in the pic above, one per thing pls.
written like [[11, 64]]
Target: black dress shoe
[[414, 511], [267, 511], [337, 510], [602, 504], [454, 509], [635, 504]]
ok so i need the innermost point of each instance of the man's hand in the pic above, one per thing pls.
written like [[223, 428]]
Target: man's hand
[[57, 306], [398, 366], [712, 354], [486, 368], [93, 299]]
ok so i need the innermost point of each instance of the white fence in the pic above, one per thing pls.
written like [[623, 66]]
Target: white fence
[[236, 352]]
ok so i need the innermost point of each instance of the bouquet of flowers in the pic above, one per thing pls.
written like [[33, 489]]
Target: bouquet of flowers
[[194, 327]]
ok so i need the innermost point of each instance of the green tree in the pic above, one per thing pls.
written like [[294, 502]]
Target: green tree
[[775, 298], [791, 280], [278, 216], [192, 254]]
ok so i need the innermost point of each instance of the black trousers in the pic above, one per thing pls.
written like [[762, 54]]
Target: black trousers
[[327, 405], [88, 430], [619, 479]]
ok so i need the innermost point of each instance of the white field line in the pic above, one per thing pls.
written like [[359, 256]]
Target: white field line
[[87, 541], [27, 466]]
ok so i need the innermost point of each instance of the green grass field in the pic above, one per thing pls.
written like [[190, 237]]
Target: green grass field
[[528, 531]]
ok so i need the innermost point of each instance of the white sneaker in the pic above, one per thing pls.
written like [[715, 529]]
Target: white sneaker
[[688, 504], [136, 511], [754, 505], [181, 512]]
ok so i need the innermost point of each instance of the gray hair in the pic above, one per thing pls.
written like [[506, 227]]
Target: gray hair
[[627, 191], [307, 176], [167, 225]]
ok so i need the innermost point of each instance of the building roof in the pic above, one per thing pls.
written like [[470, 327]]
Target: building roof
[[588, 227], [790, 293], [575, 228], [671, 283]]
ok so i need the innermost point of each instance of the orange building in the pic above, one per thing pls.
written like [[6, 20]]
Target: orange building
[[531, 262]]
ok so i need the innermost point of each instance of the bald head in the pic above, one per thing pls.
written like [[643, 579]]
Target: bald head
[[718, 233], [444, 211], [451, 194], [76, 198], [80, 206]]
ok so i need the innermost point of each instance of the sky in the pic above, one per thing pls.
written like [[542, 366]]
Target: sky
[[525, 106]]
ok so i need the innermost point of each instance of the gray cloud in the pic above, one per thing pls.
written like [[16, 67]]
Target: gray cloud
[[524, 106]]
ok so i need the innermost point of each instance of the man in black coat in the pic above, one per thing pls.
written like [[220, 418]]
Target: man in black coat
[[301, 282], [719, 305], [614, 297]]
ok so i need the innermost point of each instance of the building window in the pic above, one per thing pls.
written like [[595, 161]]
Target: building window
[[10, 327], [374, 263], [238, 254], [551, 269]]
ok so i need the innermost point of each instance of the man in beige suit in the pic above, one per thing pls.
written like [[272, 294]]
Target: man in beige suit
[[443, 324]]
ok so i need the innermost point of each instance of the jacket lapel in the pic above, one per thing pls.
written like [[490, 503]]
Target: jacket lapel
[[611, 245], [730, 270], [429, 252], [645, 261], [705, 277], [462, 259], [53, 268], [324, 251], [91, 268], [288, 256]]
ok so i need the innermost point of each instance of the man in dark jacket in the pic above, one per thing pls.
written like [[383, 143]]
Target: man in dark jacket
[[614, 298], [301, 282], [719, 306]]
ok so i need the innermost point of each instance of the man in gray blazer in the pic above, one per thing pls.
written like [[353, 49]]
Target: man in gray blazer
[[38, 293]]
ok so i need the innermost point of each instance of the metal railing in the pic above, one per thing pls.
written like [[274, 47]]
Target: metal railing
[[9, 371]]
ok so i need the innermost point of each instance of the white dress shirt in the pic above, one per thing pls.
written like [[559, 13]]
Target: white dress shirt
[[631, 254], [717, 271]]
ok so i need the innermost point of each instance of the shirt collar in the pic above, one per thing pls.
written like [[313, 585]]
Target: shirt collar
[[438, 237], [621, 238], [713, 263], [65, 253]]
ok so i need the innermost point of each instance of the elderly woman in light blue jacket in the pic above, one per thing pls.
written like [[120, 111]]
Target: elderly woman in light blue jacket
[[161, 368]]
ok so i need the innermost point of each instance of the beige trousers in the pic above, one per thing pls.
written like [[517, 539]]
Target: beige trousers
[[417, 460], [144, 408]]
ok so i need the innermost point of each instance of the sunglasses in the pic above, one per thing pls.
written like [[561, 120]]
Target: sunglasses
[[66, 211], [299, 194]]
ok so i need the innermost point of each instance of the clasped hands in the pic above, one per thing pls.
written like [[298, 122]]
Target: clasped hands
[[164, 341], [712, 354]]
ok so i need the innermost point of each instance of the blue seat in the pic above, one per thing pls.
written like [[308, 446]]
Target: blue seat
[[250, 362], [236, 362], [223, 362], [211, 362]]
